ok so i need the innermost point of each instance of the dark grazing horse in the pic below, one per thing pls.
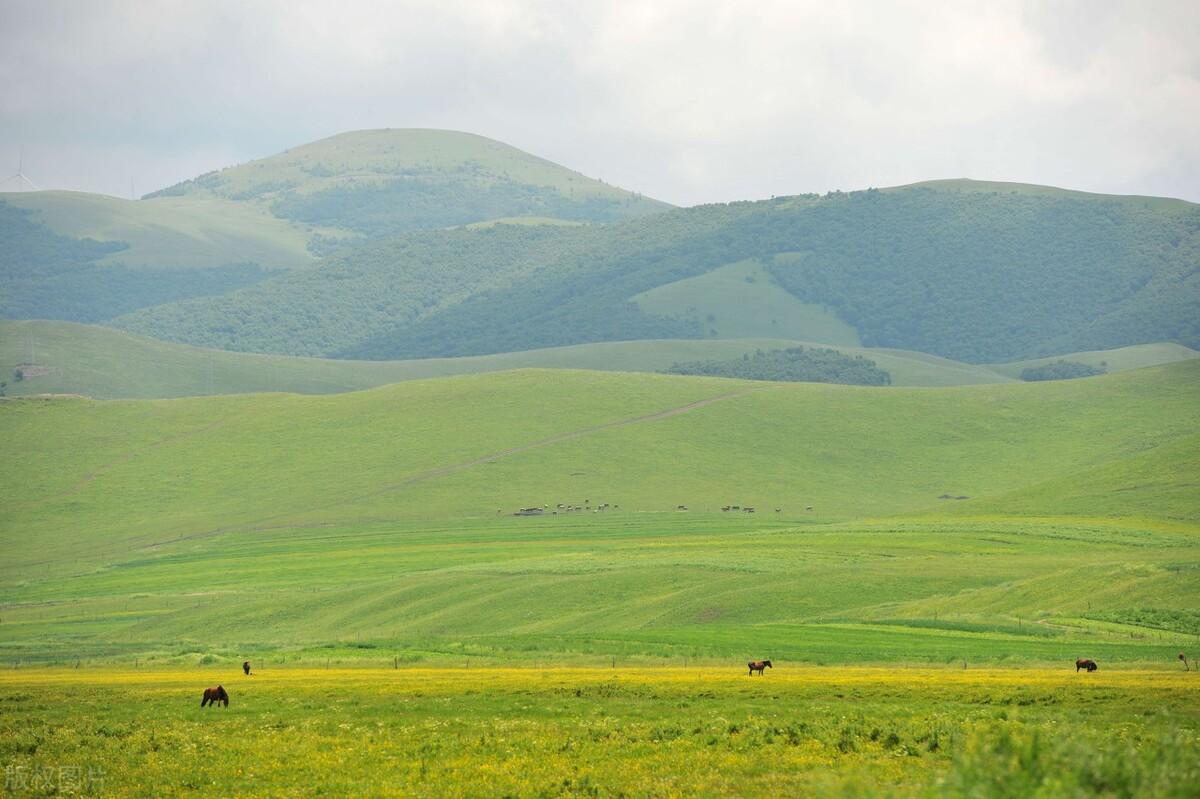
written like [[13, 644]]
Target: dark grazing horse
[[1084, 663], [246, 667], [758, 665], [214, 695]]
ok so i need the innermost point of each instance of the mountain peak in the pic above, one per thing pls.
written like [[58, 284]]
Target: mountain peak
[[392, 180]]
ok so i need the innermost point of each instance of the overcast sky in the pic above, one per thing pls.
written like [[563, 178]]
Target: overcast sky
[[685, 101]]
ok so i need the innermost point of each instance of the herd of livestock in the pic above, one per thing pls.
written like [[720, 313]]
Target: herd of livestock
[[588, 507], [218, 695]]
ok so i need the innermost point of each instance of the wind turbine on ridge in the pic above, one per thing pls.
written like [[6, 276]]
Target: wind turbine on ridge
[[22, 179]]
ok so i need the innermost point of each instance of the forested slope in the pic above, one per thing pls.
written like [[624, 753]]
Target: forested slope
[[980, 275], [47, 275]]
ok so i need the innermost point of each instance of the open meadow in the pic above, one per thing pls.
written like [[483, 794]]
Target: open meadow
[[344, 454], [939, 559], [457, 731]]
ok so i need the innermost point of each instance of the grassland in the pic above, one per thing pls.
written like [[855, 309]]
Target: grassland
[[364, 156], [1118, 360], [646, 590], [1018, 523], [742, 300], [104, 363], [380, 182], [968, 185], [601, 732], [939, 559], [173, 231]]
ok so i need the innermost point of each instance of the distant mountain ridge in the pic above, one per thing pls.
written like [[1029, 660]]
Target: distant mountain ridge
[[978, 275], [402, 244], [229, 229]]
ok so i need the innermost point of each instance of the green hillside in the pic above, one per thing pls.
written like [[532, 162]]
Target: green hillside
[[379, 520], [228, 230], [395, 452], [391, 181], [1118, 360], [976, 276], [742, 300], [171, 232], [967, 185], [104, 363], [44, 274]]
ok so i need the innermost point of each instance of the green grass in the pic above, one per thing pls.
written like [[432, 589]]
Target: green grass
[[1118, 360], [288, 523], [1036, 190], [580, 590], [742, 300], [172, 231], [526, 221], [105, 363], [600, 732], [364, 156]]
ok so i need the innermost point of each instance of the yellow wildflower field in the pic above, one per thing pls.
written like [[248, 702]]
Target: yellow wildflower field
[[601, 732]]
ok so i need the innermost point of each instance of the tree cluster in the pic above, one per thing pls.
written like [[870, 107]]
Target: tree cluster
[[794, 364], [1060, 370]]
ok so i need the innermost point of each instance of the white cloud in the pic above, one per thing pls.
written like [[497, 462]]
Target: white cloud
[[690, 102]]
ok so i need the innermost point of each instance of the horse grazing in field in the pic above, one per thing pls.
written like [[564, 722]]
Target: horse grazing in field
[[246, 668], [758, 665], [1084, 663], [214, 695]]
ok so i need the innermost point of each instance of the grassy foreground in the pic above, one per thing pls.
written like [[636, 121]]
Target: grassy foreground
[[601, 732]]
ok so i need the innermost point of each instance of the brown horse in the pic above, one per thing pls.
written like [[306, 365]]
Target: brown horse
[[759, 665], [214, 695], [1084, 663]]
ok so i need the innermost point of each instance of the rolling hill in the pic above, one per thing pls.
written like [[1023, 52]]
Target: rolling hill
[[466, 445], [402, 244], [103, 363], [364, 522], [228, 230], [171, 232], [979, 275], [391, 181], [45, 274], [1118, 360]]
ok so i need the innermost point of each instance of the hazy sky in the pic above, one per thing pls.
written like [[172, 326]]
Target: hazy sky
[[685, 101]]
